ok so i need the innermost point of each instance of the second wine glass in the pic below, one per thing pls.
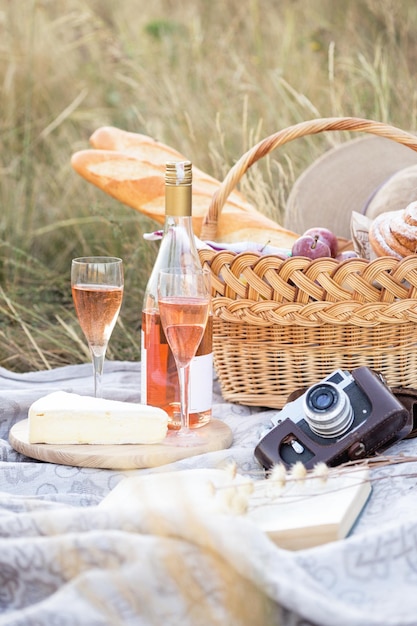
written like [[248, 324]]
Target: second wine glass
[[97, 291], [184, 301]]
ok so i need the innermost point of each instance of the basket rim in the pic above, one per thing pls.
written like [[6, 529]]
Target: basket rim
[[208, 229]]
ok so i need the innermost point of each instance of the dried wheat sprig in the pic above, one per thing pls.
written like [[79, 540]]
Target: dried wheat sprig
[[279, 477]]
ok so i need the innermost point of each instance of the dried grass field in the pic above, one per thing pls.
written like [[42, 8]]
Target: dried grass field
[[209, 78]]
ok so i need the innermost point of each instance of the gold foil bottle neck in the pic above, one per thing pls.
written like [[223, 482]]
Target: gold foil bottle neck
[[178, 183], [178, 173]]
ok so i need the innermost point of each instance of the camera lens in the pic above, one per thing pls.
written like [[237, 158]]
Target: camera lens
[[327, 410]]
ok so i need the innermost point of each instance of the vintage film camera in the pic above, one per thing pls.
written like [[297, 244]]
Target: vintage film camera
[[345, 417]]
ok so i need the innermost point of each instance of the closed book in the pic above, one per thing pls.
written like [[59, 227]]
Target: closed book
[[307, 513]]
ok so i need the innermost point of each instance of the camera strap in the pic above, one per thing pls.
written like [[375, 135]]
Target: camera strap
[[408, 398]]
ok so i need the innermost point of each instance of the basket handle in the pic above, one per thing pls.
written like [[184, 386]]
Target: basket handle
[[264, 147]]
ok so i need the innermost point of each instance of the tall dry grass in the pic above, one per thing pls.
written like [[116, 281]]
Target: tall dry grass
[[209, 78]]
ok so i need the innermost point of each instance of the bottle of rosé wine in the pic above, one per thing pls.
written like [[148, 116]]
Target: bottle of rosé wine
[[159, 377]]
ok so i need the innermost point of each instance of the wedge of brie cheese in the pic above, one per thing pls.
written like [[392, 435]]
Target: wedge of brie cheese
[[68, 418]]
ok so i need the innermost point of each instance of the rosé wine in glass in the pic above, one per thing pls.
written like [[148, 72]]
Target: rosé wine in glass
[[184, 302], [161, 375], [97, 291]]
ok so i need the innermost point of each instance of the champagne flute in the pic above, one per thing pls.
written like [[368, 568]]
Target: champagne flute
[[184, 301], [97, 292]]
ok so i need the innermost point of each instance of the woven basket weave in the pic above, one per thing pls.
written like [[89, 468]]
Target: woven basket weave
[[281, 325]]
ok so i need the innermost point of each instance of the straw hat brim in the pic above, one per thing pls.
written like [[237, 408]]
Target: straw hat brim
[[369, 175]]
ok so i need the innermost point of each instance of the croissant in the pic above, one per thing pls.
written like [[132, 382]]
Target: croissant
[[130, 167], [394, 233]]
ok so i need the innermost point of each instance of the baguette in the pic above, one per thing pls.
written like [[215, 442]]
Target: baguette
[[130, 167]]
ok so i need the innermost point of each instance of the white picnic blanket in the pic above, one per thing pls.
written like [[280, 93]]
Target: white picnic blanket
[[65, 559]]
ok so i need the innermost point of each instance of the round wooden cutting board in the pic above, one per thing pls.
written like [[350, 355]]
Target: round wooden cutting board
[[216, 435]]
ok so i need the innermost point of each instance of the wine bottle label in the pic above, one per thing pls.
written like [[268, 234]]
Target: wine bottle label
[[201, 385], [201, 376]]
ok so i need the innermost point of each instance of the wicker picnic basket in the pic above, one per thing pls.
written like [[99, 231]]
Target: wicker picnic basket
[[279, 325]]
